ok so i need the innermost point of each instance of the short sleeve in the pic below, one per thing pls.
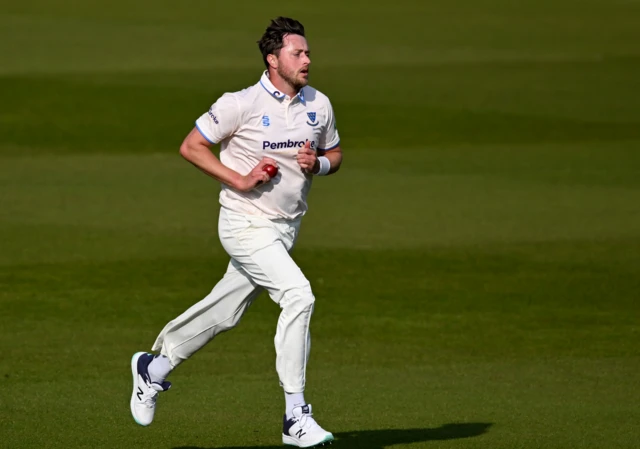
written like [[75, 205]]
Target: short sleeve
[[330, 137], [221, 120]]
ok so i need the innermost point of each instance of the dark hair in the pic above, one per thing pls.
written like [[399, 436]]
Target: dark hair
[[271, 41]]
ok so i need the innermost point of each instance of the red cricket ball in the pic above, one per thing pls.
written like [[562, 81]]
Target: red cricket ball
[[271, 170]]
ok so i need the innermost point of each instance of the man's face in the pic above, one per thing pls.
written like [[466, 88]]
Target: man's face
[[293, 61]]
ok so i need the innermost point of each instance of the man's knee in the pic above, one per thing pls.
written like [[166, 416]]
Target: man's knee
[[298, 298]]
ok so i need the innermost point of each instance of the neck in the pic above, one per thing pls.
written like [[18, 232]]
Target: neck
[[281, 84]]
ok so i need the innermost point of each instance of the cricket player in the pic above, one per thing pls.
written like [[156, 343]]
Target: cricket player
[[283, 122]]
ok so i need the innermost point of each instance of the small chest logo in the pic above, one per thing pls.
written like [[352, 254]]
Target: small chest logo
[[265, 121], [312, 119]]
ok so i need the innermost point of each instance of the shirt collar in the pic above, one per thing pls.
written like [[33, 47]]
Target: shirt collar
[[275, 93]]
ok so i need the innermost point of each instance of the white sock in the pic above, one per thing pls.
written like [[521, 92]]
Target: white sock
[[293, 400], [159, 369]]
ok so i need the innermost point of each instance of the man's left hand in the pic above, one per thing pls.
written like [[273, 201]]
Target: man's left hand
[[307, 159]]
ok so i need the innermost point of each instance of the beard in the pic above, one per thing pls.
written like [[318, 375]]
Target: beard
[[292, 78]]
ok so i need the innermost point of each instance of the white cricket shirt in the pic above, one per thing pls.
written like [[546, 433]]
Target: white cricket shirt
[[261, 121]]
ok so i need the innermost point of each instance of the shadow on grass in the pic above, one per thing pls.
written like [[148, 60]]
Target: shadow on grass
[[381, 439]]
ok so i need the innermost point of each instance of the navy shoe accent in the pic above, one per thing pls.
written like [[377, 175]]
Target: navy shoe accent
[[164, 385], [143, 367], [286, 425]]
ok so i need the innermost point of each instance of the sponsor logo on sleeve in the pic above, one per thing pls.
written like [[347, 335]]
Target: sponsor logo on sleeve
[[213, 116]]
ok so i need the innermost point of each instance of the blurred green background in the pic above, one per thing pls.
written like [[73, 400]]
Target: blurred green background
[[476, 261]]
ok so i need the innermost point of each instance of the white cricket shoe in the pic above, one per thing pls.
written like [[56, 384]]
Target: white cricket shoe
[[145, 392], [303, 431]]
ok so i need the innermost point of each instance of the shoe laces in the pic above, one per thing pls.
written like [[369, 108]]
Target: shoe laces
[[150, 397], [306, 420]]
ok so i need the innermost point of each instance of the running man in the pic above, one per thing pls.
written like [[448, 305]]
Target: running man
[[279, 121]]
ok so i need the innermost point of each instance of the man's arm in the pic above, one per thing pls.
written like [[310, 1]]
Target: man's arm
[[335, 158], [196, 149]]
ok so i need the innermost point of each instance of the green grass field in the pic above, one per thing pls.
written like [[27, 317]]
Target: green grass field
[[476, 262]]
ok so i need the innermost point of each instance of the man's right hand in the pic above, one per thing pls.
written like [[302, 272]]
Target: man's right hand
[[256, 176]]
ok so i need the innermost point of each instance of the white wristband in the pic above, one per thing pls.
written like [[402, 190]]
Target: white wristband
[[325, 166]]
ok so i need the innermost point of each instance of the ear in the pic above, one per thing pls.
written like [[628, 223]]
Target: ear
[[273, 61]]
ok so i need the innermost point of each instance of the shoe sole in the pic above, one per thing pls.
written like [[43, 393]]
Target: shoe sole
[[291, 441], [134, 372]]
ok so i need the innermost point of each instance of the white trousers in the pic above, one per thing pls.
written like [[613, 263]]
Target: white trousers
[[259, 250]]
